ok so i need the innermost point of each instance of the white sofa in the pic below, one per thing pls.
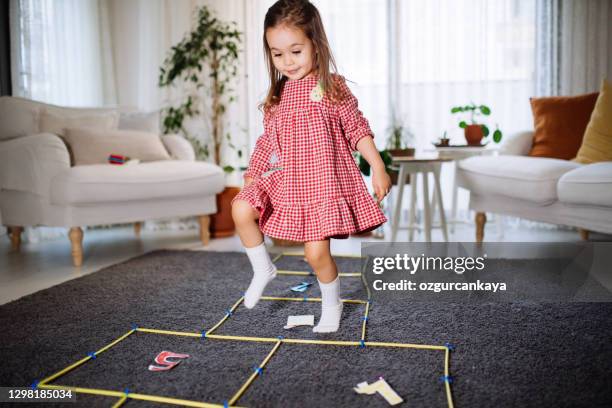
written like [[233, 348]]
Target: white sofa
[[38, 186], [540, 189]]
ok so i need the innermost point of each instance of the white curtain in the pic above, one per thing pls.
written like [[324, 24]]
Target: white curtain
[[574, 46], [548, 40], [454, 52], [586, 45], [360, 43], [60, 52]]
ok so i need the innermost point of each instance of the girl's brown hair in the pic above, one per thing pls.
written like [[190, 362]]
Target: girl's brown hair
[[301, 14]]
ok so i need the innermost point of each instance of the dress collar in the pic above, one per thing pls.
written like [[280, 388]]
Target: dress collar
[[308, 81]]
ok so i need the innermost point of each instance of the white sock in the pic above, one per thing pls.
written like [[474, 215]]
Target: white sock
[[263, 272], [331, 307]]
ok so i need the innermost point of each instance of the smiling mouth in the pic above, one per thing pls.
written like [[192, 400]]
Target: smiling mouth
[[293, 72]]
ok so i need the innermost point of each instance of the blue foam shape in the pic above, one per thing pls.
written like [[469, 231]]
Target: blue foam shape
[[446, 378]]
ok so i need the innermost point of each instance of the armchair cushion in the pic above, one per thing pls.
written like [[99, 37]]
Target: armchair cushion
[[93, 146], [102, 183], [591, 184], [531, 179]]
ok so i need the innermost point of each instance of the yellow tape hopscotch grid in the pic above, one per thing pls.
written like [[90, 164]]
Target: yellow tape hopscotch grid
[[125, 395]]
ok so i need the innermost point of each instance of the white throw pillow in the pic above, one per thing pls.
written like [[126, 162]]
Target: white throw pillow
[[93, 146], [53, 123]]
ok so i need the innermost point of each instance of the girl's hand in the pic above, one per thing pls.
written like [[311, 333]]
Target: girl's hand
[[247, 181], [381, 182]]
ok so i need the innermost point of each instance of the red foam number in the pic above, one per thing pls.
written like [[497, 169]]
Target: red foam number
[[164, 363]]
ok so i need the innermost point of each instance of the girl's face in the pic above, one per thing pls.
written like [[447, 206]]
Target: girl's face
[[292, 52]]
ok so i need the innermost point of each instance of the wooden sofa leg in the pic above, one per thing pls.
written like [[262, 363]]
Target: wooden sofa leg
[[15, 233], [137, 228], [76, 240], [584, 234], [204, 229], [481, 219]]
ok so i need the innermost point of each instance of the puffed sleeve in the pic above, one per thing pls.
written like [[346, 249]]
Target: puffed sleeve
[[354, 125], [260, 159]]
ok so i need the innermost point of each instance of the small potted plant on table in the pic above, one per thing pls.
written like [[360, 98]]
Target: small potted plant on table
[[400, 141], [475, 131]]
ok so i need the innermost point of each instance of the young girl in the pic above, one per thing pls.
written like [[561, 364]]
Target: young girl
[[302, 183]]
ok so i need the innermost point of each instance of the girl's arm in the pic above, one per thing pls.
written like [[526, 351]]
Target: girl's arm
[[260, 159], [354, 125], [381, 182], [360, 137]]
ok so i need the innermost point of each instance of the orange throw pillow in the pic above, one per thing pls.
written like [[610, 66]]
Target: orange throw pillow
[[559, 123]]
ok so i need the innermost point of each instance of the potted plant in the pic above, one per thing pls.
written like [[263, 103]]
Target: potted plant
[[391, 170], [475, 130], [444, 141], [206, 60], [387, 159], [400, 139]]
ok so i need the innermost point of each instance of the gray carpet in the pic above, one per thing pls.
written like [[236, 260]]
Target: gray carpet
[[507, 354]]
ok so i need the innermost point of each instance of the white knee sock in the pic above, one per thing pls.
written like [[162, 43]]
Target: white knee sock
[[331, 307], [263, 272]]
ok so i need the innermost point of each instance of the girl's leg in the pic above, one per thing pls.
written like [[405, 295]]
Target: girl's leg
[[245, 217], [319, 257]]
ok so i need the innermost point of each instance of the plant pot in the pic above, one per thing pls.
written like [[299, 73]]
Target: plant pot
[[286, 243], [473, 135], [394, 174], [362, 234], [443, 143], [221, 223], [409, 152]]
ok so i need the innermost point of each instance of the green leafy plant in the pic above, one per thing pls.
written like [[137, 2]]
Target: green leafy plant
[[364, 166], [400, 136], [474, 112], [207, 60]]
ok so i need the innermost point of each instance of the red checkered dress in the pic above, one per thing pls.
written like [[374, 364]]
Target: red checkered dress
[[306, 185]]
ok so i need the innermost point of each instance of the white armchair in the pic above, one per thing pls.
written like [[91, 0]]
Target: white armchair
[[38, 186]]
